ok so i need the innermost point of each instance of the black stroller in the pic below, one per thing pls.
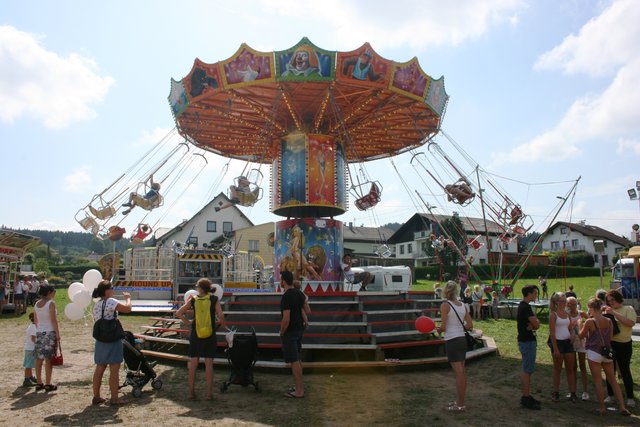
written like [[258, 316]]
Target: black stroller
[[242, 356], [138, 370]]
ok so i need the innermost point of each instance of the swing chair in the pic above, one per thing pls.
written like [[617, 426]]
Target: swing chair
[[88, 223], [151, 198], [438, 243], [370, 199], [383, 251], [104, 210], [141, 233], [246, 190], [460, 192], [115, 233], [475, 243]]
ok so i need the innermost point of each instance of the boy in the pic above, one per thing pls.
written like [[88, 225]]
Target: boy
[[29, 359], [528, 323]]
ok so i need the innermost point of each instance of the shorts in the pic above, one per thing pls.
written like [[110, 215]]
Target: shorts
[[594, 356], [528, 350], [456, 349], [358, 277], [18, 297], [46, 345], [108, 353], [292, 346], [564, 346], [29, 361], [202, 347]]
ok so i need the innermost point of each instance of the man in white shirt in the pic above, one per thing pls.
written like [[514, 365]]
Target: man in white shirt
[[363, 278], [18, 296]]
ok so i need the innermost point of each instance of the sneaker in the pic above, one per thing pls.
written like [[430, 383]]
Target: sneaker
[[610, 399], [534, 400], [585, 395], [126, 212], [573, 397], [28, 383], [555, 396], [631, 403], [529, 403], [34, 380], [126, 205]]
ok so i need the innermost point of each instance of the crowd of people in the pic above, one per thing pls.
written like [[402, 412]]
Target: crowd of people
[[25, 291]]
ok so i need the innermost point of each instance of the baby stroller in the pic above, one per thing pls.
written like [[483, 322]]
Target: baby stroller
[[242, 352], [138, 370]]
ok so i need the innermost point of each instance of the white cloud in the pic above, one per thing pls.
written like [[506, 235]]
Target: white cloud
[[602, 45], [39, 83], [78, 181], [407, 22], [627, 146], [609, 115]]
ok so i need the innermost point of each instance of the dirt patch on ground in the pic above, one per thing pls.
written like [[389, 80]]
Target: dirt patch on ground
[[337, 398]]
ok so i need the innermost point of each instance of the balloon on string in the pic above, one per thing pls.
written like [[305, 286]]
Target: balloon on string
[[73, 311], [425, 324], [82, 299], [74, 288], [217, 290], [91, 279], [190, 294]]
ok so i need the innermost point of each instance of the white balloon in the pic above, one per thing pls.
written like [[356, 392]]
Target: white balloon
[[91, 279], [74, 288], [190, 294], [82, 299], [73, 311], [217, 290]]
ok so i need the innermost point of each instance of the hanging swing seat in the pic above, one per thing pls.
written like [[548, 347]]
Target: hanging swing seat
[[141, 233], [507, 238], [475, 243], [89, 224], [370, 199], [516, 215], [103, 212], [115, 233], [460, 193], [246, 190], [383, 251], [147, 204]]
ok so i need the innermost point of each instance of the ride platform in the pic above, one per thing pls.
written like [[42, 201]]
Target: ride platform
[[346, 330]]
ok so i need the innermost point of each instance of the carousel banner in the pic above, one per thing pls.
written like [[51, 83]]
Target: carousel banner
[[306, 62], [311, 249]]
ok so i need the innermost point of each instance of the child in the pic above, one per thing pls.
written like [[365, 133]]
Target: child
[[495, 302], [437, 290], [29, 359]]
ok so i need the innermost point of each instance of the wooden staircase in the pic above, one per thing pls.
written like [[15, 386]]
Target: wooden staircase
[[346, 329]]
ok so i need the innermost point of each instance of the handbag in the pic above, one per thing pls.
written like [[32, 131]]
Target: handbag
[[57, 359], [471, 341], [107, 330], [606, 350]]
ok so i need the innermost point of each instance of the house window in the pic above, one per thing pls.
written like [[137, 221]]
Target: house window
[[254, 245], [409, 248], [555, 245], [401, 249], [595, 258], [605, 243], [574, 243], [565, 244], [564, 230], [193, 240], [211, 226], [482, 261], [505, 246], [227, 227]]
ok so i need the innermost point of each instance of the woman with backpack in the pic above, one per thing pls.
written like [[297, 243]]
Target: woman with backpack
[[202, 342], [108, 353]]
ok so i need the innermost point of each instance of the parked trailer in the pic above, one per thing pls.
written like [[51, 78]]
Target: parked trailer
[[393, 278]]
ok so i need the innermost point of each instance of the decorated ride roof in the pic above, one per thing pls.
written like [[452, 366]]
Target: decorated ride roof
[[241, 106]]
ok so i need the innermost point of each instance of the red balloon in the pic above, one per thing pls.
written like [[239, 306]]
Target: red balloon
[[425, 324]]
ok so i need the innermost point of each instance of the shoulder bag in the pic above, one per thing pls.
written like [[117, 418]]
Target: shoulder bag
[[471, 341], [108, 330], [605, 350]]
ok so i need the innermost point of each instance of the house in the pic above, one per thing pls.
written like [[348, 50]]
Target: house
[[206, 226], [580, 237], [364, 241], [258, 240], [413, 238]]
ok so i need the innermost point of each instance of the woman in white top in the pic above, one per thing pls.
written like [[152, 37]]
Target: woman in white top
[[476, 298], [561, 346], [47, 336], [455, 319], [108, 353]]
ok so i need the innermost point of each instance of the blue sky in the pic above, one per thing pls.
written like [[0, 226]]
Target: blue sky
[[540, 91]]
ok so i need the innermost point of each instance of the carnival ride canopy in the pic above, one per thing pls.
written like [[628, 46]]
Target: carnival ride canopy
[[241, 106]]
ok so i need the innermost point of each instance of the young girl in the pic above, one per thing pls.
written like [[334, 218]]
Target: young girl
[[561, 346], [495, 302], [29, 360], [47, 336], [576, 318], [476, 296], [437, 290], [598, 331]]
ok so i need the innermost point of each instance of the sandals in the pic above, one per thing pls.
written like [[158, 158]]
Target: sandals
[[50, 387], [98, 400], [625, 412], [39, 387], [456, 408]]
